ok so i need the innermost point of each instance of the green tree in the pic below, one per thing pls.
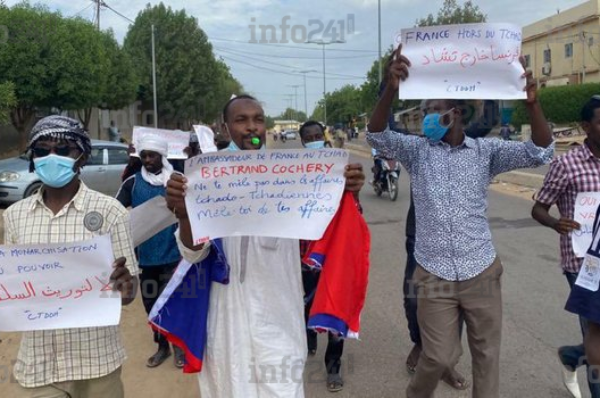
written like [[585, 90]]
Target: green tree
[[7, 101], [452, 13], [54, 62], [24, 60], [187, 73], [369, 91], [227, 85], [292, 114], [343, 105], [122, 80], [85, 76]]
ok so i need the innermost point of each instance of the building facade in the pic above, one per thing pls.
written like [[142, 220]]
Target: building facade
[[565, 48]]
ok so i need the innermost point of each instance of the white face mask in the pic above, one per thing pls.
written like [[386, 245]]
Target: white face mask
[[315, 145]]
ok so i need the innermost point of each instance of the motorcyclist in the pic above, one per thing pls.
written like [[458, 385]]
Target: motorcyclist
[[377, 166]]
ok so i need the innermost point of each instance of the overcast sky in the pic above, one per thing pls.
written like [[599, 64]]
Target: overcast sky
[[269, 70]]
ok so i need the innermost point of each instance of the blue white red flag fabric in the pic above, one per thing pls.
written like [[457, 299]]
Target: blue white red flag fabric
[[181, 312], [343, 257]]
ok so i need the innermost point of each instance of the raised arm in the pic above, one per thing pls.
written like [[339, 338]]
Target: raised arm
[[540, 131], [396, 70]]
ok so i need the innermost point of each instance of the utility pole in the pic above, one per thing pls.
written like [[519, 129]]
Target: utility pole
[[379, 29], [154, 80], [323, 44], [304, 72], [583, 43], [98, 4], [295, 86]]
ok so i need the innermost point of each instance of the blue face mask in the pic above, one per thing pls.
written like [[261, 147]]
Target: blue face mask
[[232, 146], [55, 171], [433, 128], [315, 145]]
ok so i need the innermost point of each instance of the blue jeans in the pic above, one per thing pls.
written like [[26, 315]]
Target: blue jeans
[[573, 357]]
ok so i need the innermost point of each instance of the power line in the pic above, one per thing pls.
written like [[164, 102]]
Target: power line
[[255, 59], [283, 72], [285, 66], [290, 56], [117, 12], [82, 10], [307, 48]]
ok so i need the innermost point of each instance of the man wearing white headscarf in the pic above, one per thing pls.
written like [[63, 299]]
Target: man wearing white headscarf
[[158, 256]]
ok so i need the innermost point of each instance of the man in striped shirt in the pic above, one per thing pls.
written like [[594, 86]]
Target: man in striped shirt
[[576, 171]]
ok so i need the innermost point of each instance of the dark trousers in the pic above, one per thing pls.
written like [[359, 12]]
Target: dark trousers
[[153, 281], [574, 356], [410, 295], [335, 345]]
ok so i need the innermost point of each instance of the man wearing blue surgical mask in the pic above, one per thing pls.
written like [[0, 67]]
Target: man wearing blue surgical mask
[[83, 362], [450, 175], [312, 135]]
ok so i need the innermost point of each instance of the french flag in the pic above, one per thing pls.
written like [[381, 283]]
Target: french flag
[[342, 256], [181, 311]]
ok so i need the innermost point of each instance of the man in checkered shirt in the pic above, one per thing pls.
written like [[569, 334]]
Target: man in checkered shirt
[[576, 171], [82, 362]]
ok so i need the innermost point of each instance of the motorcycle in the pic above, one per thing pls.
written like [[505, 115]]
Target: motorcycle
[[387, 181]]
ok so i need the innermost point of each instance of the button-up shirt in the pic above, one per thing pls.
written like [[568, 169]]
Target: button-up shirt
[[450, 188], [576, 171], [53, 356]]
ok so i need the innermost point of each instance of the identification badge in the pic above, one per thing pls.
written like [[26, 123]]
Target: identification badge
[[589, 275]]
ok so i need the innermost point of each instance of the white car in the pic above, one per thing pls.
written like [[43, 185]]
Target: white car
[[102, 172], [290, 135]]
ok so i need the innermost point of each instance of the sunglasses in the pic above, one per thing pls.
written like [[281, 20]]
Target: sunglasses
[[39, 152]]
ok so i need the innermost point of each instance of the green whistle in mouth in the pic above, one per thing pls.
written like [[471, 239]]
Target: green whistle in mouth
[[255, 141]]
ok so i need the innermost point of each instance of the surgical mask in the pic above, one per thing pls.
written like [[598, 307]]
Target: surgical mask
[[232, 146], [433, 128], [315, 145], [55, 171]]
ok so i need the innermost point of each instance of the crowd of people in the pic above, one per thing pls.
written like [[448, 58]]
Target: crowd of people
[[259, 315]]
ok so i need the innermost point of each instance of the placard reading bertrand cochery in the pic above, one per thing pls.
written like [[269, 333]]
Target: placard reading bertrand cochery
[[276, 193], [471, 61], [57, 286]]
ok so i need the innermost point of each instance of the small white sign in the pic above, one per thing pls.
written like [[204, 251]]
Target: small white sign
[[178, 140], [58, 286], [586, 205], [470, 61]]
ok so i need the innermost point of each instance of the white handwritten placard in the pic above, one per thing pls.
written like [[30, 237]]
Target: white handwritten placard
[[206, 138], [178, 140], [586, 205], [471, 61], [57, 286], [273, 193]]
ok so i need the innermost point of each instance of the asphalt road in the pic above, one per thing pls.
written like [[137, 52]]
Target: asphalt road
[[534, 289], [535, 323]]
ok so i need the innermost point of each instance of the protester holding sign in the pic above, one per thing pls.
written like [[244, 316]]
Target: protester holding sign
[[256, 320], [450, 175], [158, 256], [82, 361], [312, 135], [571, 177], [584, 299]]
